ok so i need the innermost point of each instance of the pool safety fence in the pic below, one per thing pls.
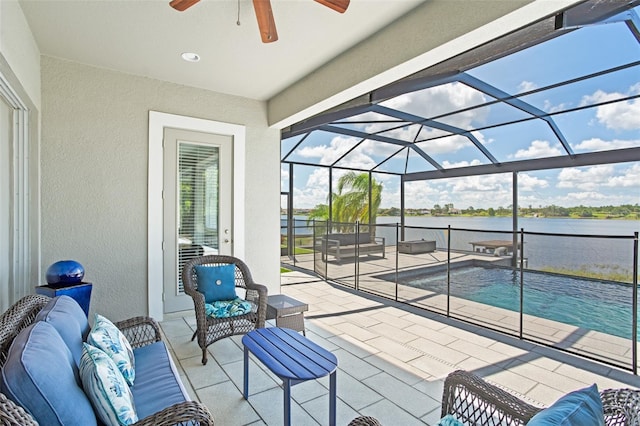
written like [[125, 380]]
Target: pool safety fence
[[586, 278]]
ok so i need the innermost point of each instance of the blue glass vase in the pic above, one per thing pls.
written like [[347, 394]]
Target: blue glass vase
[[65, 272]]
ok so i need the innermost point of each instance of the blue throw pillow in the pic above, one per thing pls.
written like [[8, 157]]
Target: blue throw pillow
[[217, 282], [580, 408]]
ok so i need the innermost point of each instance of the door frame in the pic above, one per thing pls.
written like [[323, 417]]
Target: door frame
[[157, 122]]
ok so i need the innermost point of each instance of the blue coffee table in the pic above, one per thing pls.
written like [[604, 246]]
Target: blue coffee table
[[294, 359]]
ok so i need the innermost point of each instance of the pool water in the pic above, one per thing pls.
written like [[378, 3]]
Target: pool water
[[603, 306]]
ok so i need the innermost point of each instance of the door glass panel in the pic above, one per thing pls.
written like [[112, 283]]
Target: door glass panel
[[198, 202]]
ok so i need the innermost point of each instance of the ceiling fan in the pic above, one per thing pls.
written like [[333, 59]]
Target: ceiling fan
[[264, 14]]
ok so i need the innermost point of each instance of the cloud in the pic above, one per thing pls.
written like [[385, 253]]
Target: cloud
[[619, 115], [538, 149], [447, 165], [551, 108], [586, 178], [527, 182], [597, 144], [485, 183], [443, 145], [327, 154], [419, 194], [584, 196], [628, 177], [443, 99], [526, 86]]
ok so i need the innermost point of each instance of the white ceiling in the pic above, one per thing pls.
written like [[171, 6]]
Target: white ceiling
[[146, 37]]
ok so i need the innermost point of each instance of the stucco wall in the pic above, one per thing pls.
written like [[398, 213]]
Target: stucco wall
[[94, 176], [19, 48]]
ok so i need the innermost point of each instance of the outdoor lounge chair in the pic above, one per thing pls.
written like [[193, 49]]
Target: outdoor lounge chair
[[210, 329]]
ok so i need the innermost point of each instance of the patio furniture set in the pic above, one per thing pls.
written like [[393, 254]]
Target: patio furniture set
[[41, 346]]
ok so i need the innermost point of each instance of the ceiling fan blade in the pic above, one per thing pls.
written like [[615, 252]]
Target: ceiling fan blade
[[266, 22], [337, 5], [182, 5]]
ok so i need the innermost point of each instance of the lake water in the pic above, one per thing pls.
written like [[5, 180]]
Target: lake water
[[591, 253]]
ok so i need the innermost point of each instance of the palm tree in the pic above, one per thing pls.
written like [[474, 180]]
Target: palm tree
[[350, 203]]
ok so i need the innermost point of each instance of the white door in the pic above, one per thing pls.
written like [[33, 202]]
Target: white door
[[6, 202], [197, 205]]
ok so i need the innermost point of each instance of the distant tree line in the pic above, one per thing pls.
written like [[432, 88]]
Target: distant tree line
[[625, 211]]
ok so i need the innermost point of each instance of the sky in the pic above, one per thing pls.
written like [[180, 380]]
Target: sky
[[604, 127]]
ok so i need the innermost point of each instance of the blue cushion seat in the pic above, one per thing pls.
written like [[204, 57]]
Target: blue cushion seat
[[41, 375], [157, 383], [216, 282], [582, 407], [228, 308]]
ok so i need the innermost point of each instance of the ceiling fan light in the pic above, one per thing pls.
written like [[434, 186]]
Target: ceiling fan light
[[337, 5], [190, 57], [182, 5]]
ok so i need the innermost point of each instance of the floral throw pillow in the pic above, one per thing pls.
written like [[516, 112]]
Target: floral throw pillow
[[106, 336], [106, 388]]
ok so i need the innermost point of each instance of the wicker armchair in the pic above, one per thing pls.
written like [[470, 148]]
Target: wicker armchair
[[476, 402], [210, 329]]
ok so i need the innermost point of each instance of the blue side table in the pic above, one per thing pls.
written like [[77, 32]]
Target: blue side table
[[80, 292], [294, 359]]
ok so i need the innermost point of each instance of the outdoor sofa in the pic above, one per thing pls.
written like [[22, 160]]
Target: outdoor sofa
[[345, 245], [41, 344]]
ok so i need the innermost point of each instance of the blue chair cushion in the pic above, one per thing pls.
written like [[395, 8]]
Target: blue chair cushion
[[216, 282], [41, 375], [69, 320], [580, 408], [157, 381], [228, 308]]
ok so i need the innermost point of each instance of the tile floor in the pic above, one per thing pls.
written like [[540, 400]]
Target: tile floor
[[392, 361]]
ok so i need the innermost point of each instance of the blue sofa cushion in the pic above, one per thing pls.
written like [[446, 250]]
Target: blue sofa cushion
[[578, 408], [157, 382], [69, 320], [41, 375]]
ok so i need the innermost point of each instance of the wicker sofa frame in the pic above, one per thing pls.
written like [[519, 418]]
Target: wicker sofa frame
[[475, 402], [140, 331], [209, 329]]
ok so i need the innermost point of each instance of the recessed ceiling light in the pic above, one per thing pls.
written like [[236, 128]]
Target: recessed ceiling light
[[190, 57]]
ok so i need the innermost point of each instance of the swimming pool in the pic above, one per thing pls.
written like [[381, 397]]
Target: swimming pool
[[603, 306]]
